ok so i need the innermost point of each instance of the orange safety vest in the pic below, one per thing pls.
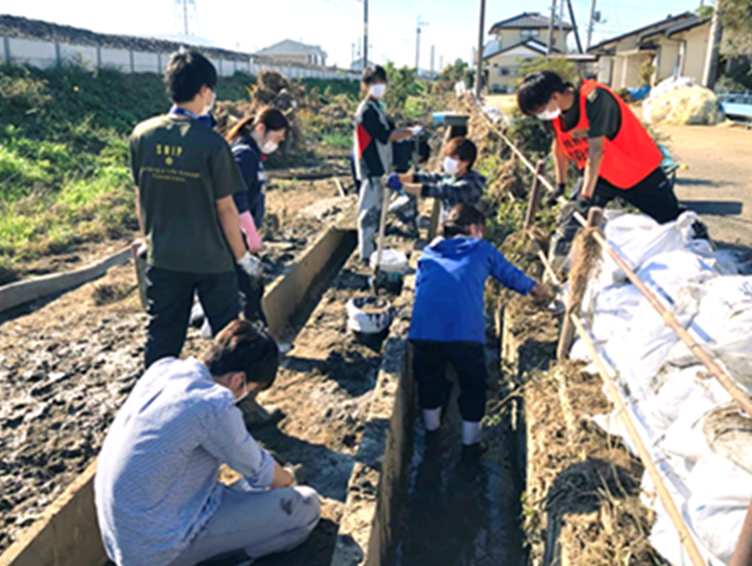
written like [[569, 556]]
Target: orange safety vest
[[627, 159]]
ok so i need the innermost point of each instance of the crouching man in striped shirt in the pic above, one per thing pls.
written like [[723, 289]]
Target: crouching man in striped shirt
[[156, 491]]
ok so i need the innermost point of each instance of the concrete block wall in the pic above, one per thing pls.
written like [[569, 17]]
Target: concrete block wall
[[119, 59], [146, 62], [46, 54], [41, 54], [85, 55]]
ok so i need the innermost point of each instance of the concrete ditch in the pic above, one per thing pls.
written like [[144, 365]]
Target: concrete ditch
[[67, 534], [375, 503]]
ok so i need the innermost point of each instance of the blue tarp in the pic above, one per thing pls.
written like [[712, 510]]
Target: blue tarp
[[639, 93]]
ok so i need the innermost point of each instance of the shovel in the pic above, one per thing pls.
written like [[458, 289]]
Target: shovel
[[380, 239]]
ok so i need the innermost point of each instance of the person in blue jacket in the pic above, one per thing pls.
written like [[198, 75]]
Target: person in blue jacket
[[250, 140], [448, 322]]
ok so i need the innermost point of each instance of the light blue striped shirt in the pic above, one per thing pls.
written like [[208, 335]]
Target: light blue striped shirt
[[156, 483]]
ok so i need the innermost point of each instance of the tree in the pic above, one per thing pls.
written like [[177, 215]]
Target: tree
[[567, 70], [403, 83], [736, 18], [457, 71]]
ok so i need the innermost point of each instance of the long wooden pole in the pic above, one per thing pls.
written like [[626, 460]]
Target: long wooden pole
[[647, 460]]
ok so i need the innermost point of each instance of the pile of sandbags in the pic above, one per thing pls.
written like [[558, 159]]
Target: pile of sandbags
[[679, 101], [699, 439]]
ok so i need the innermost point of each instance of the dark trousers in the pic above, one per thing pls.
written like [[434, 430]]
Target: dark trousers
[[169, 296], [653, 196], [251, 295], [430, 362]]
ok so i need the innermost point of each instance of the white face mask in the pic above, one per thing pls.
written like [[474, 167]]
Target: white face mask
[[378, 91], [269, 147], [451, 165], [210, 105], [548, 115]]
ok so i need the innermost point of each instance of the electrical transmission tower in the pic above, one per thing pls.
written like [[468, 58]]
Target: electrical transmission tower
[[185, 17]]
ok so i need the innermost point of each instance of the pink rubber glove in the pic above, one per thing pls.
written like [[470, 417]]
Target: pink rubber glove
[[252, 237]]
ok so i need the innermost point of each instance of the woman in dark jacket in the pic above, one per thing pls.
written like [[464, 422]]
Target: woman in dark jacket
[[250, 140]]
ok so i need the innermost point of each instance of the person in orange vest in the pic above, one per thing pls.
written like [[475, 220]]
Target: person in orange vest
[[614, 153]]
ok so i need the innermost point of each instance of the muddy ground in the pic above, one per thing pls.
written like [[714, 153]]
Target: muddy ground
[[66, 365]]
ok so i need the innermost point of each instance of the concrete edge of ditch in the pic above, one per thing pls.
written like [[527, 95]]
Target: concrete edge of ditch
[[67, 533], [23, 292], [378, 482]]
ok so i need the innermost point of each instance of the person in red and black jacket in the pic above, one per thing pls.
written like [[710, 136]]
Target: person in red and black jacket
[[614, 153], [374, 135]]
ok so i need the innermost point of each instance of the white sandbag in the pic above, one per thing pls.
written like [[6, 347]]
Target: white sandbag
[[724, 323], [640, 352], [613, 310], [724, 262], [675, 275], [688, 393], [638, 237], [718, 505], [392, 261]]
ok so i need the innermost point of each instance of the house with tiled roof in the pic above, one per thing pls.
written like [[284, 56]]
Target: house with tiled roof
[[289, 51], [676, 45], [516, 40]]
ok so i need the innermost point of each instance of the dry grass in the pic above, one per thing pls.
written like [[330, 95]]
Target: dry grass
[[582, 500]]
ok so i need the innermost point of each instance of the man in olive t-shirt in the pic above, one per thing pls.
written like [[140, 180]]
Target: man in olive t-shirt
[[185, 177]]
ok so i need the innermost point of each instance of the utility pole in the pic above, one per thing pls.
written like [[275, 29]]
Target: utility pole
[[549, 49], [417, 44], [479, 53], [710, 73], [433, 55], [574, 25], [561, 26], [590, 25], [352, 56], [365, 34]]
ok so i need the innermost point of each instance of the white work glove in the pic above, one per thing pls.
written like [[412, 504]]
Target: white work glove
[[251, 265], [417, 130]]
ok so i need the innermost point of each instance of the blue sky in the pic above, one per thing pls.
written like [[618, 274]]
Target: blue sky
[[334, 24]]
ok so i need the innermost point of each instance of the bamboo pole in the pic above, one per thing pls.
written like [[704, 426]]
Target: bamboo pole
[[621, 410], [743, 552]]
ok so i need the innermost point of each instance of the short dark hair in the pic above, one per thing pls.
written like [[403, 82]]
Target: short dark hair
[[374, 73], [460, 218], [463, 148], [243, 346], [537, 89], [187, 71]]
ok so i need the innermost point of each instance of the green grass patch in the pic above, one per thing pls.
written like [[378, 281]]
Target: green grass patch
[[64, 176], [338, 140]]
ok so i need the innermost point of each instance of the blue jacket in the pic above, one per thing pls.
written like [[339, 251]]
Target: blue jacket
[[450, 285], [248, 157]]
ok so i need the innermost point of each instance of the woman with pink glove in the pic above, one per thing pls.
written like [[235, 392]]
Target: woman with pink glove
[[251, 139]]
